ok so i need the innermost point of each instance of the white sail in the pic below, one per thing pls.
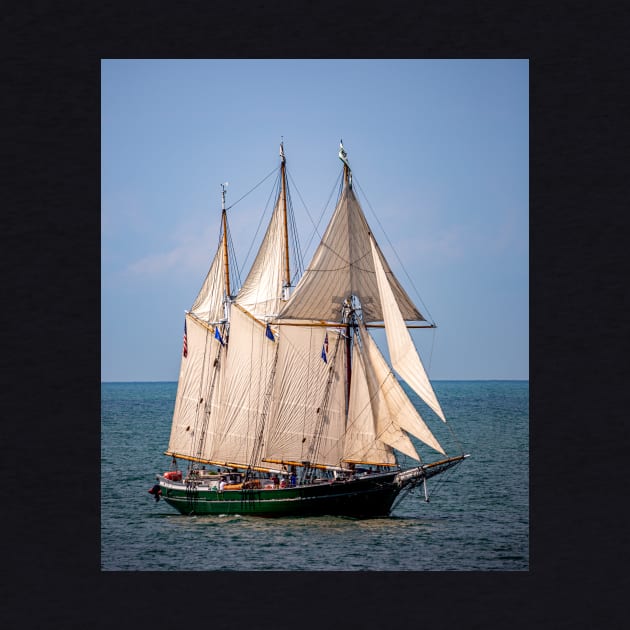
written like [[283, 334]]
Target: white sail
[[261, 293], [198, 387], [342, 266], [307, 419], [282, 389], [403, 354], [196, 397], [209, 303], [362, 444], [398, 411], [245, 384]]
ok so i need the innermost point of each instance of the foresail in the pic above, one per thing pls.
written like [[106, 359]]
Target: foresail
[[307, 417], [342, 266], [197, 389], [261, 293], [398, 412], [403, 354], [361, 443]]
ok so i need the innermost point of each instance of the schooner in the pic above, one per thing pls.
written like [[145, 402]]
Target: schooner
[[285, 404]]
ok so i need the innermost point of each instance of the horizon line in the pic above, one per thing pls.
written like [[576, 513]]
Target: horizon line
[[435, 380]]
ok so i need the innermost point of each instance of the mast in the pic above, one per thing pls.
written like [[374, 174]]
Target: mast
[[348, 316], [283, 195], [224, 242]]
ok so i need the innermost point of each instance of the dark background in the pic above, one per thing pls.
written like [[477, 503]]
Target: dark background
[[50, 258]]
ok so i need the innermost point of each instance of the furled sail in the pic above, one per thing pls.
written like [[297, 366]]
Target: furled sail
[[307, 419], [402, 352], [342, 266], [261, 293], [398, 412]]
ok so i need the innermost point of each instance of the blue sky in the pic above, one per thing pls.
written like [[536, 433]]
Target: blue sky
[[439, 151]]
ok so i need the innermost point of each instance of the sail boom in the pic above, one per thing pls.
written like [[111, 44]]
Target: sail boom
[[303, 464], [287, 322], [216, 462], [203, 460], [309, 324], [408, 326], [368, 463], [207, 325]]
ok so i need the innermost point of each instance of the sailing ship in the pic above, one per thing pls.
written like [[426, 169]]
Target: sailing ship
[[285, 405]]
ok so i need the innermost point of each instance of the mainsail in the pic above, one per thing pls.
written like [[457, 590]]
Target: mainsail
[[308, 415], [247, 370]]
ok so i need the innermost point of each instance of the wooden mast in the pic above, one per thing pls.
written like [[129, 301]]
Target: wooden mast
[[283, 196], [348, 310], [347, 177], [226, 263]]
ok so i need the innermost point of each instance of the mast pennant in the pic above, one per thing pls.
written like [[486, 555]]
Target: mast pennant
[[343, 156]]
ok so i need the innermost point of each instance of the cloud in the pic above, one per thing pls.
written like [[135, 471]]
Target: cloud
[[192, 255]]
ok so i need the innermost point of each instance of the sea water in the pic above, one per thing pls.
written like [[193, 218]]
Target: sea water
[[476, 519]]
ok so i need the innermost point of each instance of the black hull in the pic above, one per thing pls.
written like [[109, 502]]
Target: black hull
[[368, 496]]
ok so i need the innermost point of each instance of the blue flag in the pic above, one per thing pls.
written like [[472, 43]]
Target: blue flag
[[269, 333], [217, 335], [325, 349]]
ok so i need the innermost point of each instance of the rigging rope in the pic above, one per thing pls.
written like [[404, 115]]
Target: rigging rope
[[232, 253], [394, 250], [258, 444], [314, 447], [295, 241], [207, 408], [273, 194], [321, 216], [254, 188], [198, 431]]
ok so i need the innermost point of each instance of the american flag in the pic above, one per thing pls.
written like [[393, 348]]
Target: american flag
[[185, 351]]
